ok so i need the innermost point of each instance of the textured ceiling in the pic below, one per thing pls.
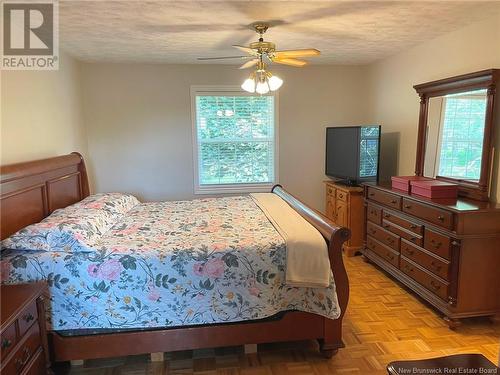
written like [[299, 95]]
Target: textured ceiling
[[346, 32]]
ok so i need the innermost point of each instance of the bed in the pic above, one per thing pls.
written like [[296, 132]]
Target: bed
[[216, 297]]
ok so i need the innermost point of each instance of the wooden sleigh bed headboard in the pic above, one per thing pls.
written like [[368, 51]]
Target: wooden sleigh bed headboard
[[31, 191]]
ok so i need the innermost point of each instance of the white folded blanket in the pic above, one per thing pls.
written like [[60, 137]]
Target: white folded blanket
[[307, 262]]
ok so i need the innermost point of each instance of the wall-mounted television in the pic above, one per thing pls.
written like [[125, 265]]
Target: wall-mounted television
[[352, 153]]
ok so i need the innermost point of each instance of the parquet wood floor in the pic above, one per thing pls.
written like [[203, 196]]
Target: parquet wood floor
[[384, 322]]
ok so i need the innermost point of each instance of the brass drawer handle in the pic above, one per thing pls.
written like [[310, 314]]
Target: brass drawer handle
[[28, 317], [455, 243], [391, 240], [408, 268], [6, 343], [341, 195], [436, 245], [408, 206], [371, 194], [387, 215], [390, 256], [410, 252], [413, 226], [386, 225], [413, 239], [394, 201], [437, 267], [19, 364], [441, 218], [435, 286]]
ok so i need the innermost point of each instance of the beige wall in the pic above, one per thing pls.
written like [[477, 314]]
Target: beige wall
[[138, 119], [41, 113], [393, 101]]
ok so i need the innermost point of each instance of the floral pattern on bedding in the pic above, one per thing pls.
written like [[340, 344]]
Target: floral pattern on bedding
[[114, 203], [170, 264], [75, 228]]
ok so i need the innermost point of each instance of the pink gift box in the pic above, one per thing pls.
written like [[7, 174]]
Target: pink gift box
[[403, 182], [434, 189]]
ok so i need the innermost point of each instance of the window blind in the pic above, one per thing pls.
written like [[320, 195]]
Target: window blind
[[235, 139]]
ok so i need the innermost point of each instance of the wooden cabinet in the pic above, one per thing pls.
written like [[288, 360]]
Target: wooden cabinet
[[344, 205], [447, 251], [23, 334]]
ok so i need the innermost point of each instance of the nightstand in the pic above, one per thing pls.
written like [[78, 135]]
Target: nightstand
[[23, 334]]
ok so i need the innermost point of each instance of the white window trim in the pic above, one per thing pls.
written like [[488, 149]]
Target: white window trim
[[230, 188]]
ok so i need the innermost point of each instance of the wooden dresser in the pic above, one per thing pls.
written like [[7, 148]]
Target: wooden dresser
[[23, 335], [447, 251], [344, 205]]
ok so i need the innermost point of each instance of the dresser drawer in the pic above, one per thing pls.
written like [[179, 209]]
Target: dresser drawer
[[424, 278], [434, 215], [383, 251], [437, 266], [8, 340], [24, 352], [383, 197], [384, 236], [412, 237], [330, 190], [437, 243], [36, 366], [342, 195], [27, 318], [403, 223], [374, 214]]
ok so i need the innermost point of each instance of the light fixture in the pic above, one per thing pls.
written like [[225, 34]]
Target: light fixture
[[261, 81]]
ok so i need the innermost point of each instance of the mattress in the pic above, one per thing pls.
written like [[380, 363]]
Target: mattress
[[169, 264]]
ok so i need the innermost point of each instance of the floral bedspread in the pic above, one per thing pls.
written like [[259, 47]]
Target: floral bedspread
[[168, 264]]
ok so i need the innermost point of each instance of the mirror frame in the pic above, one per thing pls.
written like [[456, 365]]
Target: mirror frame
[[485, 79]]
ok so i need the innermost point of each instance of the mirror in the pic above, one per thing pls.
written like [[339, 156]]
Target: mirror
[[456, 121], [454, 135]]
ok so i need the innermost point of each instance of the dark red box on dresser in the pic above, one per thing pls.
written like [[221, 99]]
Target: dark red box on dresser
[[403, 182], [434, 189]]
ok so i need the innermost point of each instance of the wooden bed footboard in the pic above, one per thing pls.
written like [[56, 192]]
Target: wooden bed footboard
[[335, 237], [32, 190]]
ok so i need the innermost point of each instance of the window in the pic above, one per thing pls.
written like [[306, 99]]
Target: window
[[368, 151], [234, 141], [462, 135]]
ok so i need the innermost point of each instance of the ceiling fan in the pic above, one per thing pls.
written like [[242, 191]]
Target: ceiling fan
[[264, 51], [261, 52]]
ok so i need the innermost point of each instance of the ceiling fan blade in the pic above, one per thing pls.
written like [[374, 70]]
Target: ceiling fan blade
[[291, 62], [246, 49], [249, 64], [297, 53], [223, 57]]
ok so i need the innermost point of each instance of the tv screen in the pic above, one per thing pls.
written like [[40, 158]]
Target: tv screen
[[352, 153]]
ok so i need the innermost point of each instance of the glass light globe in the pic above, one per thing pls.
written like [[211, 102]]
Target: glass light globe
[[262, 88], [249, 85], [275, 83]]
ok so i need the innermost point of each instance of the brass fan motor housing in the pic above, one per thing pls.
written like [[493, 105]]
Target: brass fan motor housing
[[263, 47]]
